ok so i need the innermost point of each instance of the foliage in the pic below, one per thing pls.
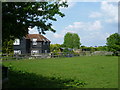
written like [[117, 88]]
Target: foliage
[[92, 49], [54, 47], [7, 47], [67, 50], [31, 80], [71, 40], [18, 17], [95, 72], [113, 43], [102, 48]]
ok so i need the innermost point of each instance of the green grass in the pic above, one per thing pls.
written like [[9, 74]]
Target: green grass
[[86, 72]]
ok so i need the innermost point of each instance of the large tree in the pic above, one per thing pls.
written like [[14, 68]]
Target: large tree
[[71, 40], [17, 17], [113, 43]]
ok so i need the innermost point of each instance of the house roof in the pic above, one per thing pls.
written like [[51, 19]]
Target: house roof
[[39, 37]]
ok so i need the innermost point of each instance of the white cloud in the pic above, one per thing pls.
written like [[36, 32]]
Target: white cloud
[[56, 35], [87, 26], [76, 27], [95, 15], [108, 11], [95, 26], [94, 39], [90, 33], [33, 31]]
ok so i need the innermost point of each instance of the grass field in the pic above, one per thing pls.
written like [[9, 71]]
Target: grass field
[[78, 72]]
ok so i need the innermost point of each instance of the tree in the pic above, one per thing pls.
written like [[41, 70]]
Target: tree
[[17, 17], [113, 43], [102, 48], [54, 47], [8, 47], [71, 40]]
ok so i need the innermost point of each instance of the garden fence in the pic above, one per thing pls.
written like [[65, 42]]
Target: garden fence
[[53, 55]]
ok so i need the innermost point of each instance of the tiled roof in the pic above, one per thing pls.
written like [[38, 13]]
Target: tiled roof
[[37, 36]]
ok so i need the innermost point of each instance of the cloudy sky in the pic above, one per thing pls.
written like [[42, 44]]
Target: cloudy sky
[[92, 21]]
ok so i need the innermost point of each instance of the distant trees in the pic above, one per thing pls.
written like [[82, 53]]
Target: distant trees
[[54, 47], [71, 40], [102, 48], [113, 43], [92, 49]]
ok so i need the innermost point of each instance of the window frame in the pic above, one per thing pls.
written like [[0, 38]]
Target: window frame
[[34, 52], [17, 52], [16, 42], [34, 41]]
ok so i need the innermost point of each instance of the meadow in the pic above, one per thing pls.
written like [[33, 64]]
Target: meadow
[[73, 72]]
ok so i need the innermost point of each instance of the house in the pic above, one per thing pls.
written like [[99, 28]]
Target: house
[[31, 44]]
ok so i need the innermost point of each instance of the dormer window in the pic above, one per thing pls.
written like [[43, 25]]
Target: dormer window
[[34, 40], [17, 42]]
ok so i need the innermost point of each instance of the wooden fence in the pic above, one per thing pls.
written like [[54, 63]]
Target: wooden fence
[[53, 55]]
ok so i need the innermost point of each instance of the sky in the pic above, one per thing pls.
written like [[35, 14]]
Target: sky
[[92, 21]]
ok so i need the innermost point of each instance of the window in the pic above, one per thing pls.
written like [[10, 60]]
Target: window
[[17, 51], [34, 41], [34, 52], [43, 43], [17, 42], [40, 44], [47, 43], [45, 51]]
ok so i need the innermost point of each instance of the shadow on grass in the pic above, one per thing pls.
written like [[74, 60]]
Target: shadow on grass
[[19, 79]]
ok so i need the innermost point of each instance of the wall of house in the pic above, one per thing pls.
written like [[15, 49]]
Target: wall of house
[[28, 46], [24, 46], [41, 46], [46, 46]]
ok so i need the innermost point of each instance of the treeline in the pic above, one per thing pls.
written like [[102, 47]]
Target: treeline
[[58, 47], [72, 43]]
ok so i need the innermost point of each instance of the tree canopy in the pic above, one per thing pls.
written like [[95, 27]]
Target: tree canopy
[[54, 47], [17, 17], [113, 43], [71, 40]]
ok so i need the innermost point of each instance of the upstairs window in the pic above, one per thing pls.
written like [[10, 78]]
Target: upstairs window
[[34, 40], [17, 42], [47, 43]]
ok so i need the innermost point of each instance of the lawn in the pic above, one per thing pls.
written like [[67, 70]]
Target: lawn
[[75, 72]]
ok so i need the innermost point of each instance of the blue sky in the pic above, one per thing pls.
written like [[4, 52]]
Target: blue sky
[[92, 21]]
